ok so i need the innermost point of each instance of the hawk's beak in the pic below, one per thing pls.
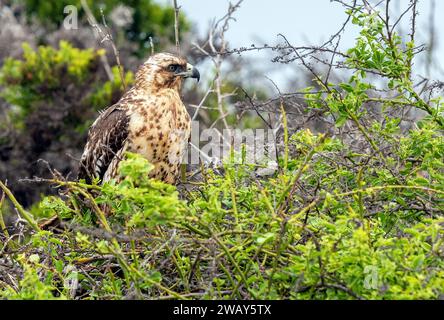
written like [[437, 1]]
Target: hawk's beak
[[191, 72]]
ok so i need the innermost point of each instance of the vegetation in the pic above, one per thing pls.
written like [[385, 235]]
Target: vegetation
[[356, 215], [236, 237], [47, 119], [145, 18]]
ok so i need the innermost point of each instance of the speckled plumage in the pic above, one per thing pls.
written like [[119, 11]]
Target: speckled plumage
[[150, 119]]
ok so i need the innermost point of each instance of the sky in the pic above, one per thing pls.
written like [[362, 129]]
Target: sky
[[303, 22]]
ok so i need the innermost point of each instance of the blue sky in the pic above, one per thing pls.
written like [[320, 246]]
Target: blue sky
[[303, 22]]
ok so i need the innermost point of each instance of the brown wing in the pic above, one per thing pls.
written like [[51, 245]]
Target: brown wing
[[106, 138]]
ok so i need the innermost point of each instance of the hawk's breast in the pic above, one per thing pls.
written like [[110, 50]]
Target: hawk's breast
[[160, 131]]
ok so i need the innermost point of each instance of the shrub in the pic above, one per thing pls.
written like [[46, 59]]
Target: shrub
[[233, 238], [54, 93], [149, 19]]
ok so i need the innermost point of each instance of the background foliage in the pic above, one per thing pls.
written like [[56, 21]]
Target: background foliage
[[143, 20]]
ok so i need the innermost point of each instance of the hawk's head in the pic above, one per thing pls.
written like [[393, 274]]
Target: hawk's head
[[165, 70]]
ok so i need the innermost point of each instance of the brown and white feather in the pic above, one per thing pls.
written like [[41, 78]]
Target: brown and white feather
[[150, 119]]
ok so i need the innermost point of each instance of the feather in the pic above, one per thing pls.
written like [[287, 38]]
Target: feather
[[143, 121], [106, 137]]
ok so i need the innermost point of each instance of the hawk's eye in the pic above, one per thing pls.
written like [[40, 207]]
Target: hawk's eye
[[173, 67]]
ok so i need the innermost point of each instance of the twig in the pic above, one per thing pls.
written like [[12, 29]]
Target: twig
[[210, 90], [2, 221], [291, 189], [25, 214], [152, 45], [363, 191], [217, 43], [105, 36], [176, 25]]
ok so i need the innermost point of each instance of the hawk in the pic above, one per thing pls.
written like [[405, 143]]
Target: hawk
[[150, 119]]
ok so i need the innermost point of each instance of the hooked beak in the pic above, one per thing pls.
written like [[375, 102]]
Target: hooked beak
[[191, 72]]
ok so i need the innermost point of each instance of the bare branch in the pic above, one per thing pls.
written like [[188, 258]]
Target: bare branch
[[176, 26], [104, 37]]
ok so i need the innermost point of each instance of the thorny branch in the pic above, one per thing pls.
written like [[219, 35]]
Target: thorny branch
[[105, 36], [176, 25]]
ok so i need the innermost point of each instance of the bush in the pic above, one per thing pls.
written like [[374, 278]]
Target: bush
[[54, 93], [234, 239], [148, 19]]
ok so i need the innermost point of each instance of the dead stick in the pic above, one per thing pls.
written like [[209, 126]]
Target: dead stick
[[176, 25]]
